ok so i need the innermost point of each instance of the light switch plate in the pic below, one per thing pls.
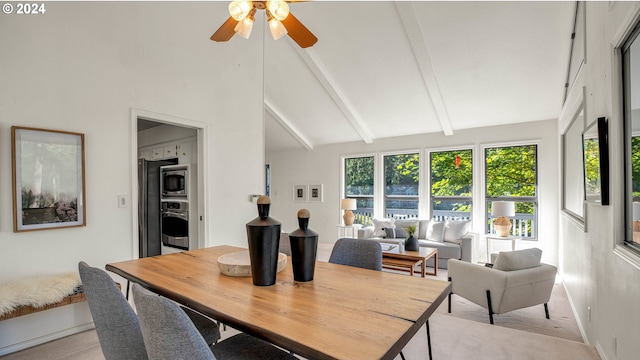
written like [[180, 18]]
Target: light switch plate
[[123, 201]]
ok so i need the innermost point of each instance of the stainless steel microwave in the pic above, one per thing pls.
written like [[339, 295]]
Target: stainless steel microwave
[[174, 180]]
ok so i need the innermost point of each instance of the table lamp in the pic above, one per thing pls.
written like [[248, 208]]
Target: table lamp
[[347, 205], [502, 209]]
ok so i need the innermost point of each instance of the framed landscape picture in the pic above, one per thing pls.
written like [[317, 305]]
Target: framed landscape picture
[[48, 179]]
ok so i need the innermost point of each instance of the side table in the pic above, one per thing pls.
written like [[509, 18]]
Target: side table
[[345, 231], [491, 237]]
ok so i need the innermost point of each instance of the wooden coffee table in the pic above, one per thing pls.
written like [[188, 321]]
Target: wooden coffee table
[[407, 260]]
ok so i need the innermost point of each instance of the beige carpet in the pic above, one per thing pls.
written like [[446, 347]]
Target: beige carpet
[[562, 323]]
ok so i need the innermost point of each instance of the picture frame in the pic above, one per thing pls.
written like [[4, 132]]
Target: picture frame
[[595, 147], [315, 193], [48, 179], [300, 193]]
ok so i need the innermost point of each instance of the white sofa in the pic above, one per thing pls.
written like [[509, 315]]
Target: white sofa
[[452, 238], [517, 280]]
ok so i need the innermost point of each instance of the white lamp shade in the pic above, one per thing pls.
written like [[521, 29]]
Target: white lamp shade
[[636, 210], [348, 204], [503, 208]]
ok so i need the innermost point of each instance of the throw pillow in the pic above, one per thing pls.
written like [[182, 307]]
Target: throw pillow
[[518, 260], [400, 233], [435, 231], [422, 229], [380, 224], [390, 233], [404, 224], [454, 230]]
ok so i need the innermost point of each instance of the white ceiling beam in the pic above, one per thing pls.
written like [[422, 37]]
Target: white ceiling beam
[[334, 92], [287, 125], [414, 34]]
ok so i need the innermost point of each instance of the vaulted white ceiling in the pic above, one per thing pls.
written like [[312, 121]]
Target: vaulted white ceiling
[[384, 69]]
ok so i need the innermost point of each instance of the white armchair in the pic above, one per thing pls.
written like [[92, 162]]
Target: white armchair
[[517, 280]]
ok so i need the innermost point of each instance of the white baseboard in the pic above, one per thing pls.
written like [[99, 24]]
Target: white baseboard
[[46, 338], [575, 315], [600, 351]]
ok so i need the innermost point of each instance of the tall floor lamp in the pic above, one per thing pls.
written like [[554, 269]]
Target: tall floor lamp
[[502, 209], [347, 205]]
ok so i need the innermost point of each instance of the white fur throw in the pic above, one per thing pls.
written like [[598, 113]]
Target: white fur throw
[[37, 292]]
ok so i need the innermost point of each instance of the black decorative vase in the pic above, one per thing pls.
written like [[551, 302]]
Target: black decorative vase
[[411, 244], [304, 248], [263, 234]]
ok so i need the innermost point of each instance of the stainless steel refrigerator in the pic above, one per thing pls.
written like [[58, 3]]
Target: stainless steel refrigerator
[[149, 236]]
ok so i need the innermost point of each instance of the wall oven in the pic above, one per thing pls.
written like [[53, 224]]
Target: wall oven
[[174, 224], [174, 180]]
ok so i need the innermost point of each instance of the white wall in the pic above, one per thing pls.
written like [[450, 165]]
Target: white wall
[[597, 272], [322, 166], [82, 67]]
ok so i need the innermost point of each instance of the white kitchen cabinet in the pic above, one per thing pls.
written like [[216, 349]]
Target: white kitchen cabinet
[[146, 154], [184, 150], [181, 149], [170, 151], [157, 153]]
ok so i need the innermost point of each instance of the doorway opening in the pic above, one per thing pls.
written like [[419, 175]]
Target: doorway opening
[[163, 147]]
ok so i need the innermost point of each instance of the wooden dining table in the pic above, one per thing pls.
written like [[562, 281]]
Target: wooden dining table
[[343, 313]]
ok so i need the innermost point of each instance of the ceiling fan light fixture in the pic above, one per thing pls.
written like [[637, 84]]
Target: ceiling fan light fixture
[[278, 8], [244, 27], [277, 29], [239, 9]]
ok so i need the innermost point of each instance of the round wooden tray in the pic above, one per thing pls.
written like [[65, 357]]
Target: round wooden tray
[[239, 264]]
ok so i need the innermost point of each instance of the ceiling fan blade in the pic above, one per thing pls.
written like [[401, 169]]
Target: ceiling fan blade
[[226, 31], [298, 32]]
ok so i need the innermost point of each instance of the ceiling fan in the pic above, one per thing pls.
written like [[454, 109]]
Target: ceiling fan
[[280, 20]]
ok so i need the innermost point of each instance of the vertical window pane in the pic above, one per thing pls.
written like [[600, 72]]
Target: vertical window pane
[[511, 175], [401, 185], [631, 89], [359, 186], [451, 184], [511, 171]]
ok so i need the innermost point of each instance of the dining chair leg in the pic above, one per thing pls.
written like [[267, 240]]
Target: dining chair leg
[[428, 339], [402, 355], [126, 296]]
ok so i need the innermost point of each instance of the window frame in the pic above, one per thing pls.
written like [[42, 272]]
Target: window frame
[[628, 135], [343, 183], [382, 180], [488, 199], [431, 199]]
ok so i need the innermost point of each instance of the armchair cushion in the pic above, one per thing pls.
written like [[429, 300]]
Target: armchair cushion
[[518, 260]]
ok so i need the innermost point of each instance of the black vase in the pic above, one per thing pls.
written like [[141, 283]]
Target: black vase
[[263, 235], [304, 248], [411, 244]]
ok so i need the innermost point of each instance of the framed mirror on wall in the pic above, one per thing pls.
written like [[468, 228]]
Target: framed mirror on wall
[[572, 169], [631, 110]]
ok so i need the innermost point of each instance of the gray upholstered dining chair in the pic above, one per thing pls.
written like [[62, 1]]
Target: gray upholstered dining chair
[[366, 254], [169, 335], [360, 253], [116, 323]]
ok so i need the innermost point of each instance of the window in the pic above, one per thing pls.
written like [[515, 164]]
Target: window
[[631, 90], [511, 175], [401, 185], [358, 177], [451, 184]]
